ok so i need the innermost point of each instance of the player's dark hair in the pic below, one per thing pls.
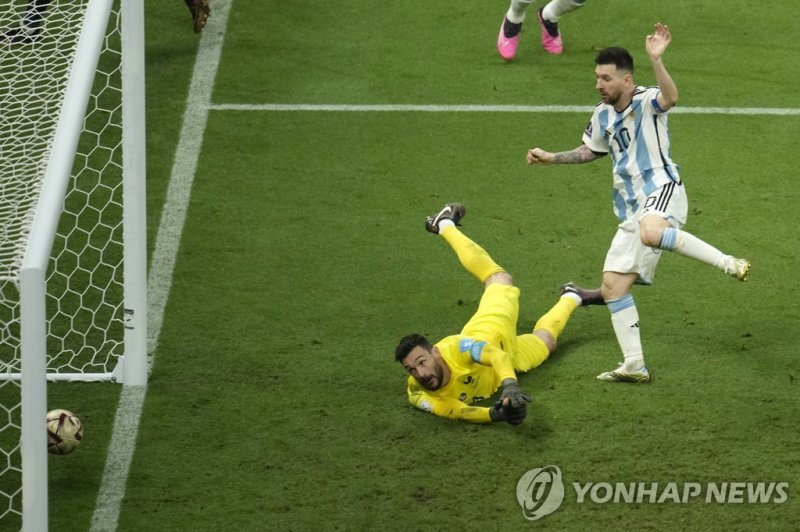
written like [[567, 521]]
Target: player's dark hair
[[616, 56], [407, 343]]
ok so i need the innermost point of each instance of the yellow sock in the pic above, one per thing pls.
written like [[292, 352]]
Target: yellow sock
[[557, 317], [531, 350], [473, 257], [529, 353]]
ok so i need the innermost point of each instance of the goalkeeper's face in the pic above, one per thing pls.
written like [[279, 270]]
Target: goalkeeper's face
[[427, 367]]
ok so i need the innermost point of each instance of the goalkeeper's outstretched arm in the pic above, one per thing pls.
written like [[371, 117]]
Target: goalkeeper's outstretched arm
[[448, 408], [454, 409]]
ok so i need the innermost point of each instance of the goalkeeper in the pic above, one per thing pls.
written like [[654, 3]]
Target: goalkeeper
[[448, 377]]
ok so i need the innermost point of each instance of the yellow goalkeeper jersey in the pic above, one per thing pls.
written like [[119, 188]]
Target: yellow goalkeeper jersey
[[477, 369]]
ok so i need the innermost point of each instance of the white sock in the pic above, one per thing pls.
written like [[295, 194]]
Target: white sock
[[516, 12], [575, 297], [28, 29], [445, 223], [625, 319], [688, 245], [555, 8]]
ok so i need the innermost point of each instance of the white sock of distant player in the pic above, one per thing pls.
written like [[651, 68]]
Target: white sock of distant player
[[688, 245], [554, 9], [625, 319], [517, 10]]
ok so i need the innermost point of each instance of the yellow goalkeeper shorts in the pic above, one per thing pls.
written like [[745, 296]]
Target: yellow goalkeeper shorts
[[495, 321]]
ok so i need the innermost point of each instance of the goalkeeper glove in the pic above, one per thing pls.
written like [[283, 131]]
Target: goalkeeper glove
[[516, 397], [511, 407], [509, 414]]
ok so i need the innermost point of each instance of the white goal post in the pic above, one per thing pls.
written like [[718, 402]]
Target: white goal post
[[72, 226]]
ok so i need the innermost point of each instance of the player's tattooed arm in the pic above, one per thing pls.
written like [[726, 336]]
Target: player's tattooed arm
[[581, 154]]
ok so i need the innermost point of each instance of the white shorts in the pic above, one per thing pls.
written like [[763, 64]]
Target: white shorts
[[627, 253]]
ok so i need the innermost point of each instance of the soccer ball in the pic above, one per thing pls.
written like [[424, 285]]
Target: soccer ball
[[64, 431]]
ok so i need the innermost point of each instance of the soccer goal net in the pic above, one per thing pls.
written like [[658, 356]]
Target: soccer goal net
[[72, 250]]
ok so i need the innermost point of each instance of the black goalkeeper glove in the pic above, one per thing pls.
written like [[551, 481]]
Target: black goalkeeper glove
[[516, 397], [509, 414], [511, 407]]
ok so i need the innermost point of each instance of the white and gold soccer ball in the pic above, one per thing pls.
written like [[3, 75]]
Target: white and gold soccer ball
[[64, 431]]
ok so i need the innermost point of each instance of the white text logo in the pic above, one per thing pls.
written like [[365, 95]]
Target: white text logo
[[540, 492]]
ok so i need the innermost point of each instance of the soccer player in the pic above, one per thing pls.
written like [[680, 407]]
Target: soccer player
[[200, 10], [448, 377], [30, 28], [630, 124], [508, 39]]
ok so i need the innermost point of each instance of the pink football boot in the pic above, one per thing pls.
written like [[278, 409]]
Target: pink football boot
[[551, 38], [507, 48]]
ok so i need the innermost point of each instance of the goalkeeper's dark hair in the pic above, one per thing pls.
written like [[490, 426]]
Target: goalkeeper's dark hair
[[619, 57], [407, 343]]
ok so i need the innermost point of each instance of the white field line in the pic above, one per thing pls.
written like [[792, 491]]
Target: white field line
[[386, 108], [162, 264]]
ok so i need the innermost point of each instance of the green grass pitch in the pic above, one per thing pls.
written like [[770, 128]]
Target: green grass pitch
[[274, 402]]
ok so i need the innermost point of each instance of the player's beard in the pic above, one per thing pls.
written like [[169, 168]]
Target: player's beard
[[434, 382], [608, 99]]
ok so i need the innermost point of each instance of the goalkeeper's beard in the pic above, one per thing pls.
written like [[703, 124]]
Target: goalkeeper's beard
[[434, 382]]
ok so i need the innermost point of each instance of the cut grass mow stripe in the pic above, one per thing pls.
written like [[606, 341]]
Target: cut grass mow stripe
[[384, 108], [162, 264]]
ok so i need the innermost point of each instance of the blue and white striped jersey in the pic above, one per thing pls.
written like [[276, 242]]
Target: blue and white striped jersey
[[638, 141]]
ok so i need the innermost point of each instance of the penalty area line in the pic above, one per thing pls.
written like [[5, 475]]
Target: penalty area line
[[410, 108]]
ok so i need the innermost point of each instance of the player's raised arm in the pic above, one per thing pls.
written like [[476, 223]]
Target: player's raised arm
[[581, 154], [655, 45]]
